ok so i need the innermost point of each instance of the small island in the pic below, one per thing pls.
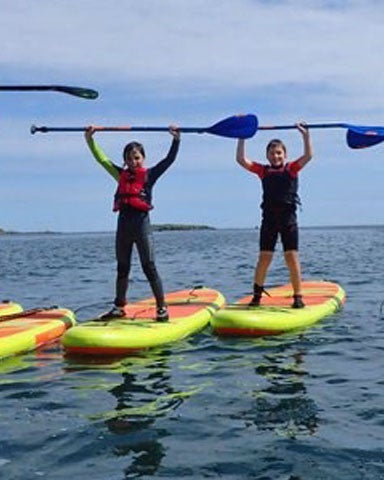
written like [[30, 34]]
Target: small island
[[173, 226], [166, 227], [12, 232]]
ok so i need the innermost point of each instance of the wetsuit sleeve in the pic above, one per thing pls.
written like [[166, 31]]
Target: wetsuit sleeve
[[294, 167], [257, 168], [155, 172], [104, 160]]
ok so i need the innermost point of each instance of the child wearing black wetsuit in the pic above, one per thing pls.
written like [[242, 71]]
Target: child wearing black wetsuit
[[280, 185], [133, 201]]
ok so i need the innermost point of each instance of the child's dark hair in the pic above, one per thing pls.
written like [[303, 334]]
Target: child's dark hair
[[276, 142], [133, 146]]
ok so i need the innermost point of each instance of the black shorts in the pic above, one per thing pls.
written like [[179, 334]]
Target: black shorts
[[275, 224]]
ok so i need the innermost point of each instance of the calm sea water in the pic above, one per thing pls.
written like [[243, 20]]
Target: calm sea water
[[304, 406]]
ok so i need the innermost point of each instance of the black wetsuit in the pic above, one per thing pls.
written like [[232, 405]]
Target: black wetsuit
[[134, 228], [280, 200]]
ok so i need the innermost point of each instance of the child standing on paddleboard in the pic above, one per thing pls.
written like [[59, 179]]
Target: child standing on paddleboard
[[279, 203], [133, 202]]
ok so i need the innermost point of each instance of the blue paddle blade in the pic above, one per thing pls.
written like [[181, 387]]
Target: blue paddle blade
[[363, 137], [238, 126]]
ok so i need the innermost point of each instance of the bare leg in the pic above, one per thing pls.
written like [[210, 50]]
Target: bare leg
[[293, 264], [265, 258], [263, 263]]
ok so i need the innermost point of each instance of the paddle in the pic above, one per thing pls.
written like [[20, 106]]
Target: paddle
[[237, 126], [308, 125], [76, 91], [363, 137], [357, 136], [24, 313], [245, 126]]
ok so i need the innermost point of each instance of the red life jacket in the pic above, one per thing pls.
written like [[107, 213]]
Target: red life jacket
[[131, 190]]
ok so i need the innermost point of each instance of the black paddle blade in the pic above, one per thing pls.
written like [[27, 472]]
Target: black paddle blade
[[363, 137], [237, 126], [76, 91]]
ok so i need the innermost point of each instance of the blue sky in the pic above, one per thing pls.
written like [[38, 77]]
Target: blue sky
[[191, 63]]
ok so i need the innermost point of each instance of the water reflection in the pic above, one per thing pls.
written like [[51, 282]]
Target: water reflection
[[144, 397], [139, 398], [282, 404]]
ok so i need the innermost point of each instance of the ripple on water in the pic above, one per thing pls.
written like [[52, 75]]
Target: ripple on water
[[304, 406]]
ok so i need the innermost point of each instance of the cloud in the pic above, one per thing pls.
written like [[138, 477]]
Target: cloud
[[205, 45], [194, 63]]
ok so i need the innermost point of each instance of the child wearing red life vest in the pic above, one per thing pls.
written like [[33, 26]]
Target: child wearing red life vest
[[280, 199], [133, 201]]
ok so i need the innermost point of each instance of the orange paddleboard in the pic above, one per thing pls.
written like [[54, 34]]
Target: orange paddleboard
[[29, 329], [275, 314], [189, 312], [7, 307]]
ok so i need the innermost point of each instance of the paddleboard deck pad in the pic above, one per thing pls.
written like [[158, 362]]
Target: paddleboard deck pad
[[189, 312], [28, 330], [275, 315]]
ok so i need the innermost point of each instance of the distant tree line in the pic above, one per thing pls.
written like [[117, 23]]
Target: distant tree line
[[158, 228]]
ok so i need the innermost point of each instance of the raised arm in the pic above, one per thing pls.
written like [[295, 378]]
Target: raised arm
[[241, 158], [99, 154], [163, 165], [307, 144]]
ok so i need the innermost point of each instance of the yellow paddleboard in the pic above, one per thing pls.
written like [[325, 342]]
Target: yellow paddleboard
[[7, 307], [275, 314], [27, 330], [189, 312]]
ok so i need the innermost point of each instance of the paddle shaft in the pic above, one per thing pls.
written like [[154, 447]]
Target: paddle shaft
[[35, 129], [76, 91], [236, 126], [308, 125], [24, 313], [128, 128]]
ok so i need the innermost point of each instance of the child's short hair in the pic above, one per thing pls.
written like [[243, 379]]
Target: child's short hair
[[276, 142], [133, 146]]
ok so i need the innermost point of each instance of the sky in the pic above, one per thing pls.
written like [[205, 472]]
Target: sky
[[190, 63]]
